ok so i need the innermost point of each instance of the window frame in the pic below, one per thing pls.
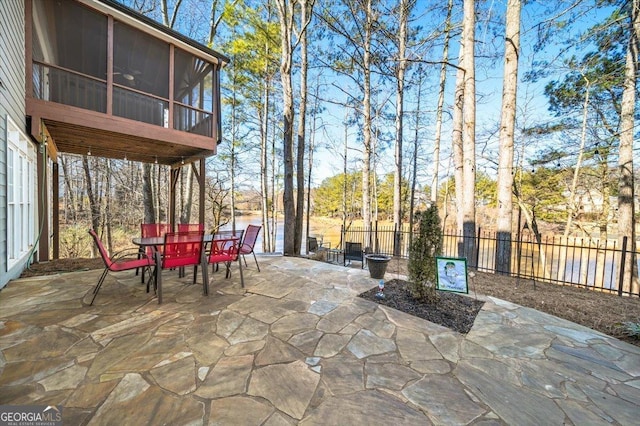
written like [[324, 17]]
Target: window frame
[[21, 170]]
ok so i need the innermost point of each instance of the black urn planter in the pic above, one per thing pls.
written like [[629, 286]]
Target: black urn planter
[[377, 264]]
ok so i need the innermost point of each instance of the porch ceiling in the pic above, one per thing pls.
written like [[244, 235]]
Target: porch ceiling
[[77, 139]]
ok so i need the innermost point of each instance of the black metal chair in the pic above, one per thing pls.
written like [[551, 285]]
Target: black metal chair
[[313, 246], [353, 251]]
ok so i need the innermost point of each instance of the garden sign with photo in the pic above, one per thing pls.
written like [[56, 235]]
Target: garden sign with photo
[[452, 274]]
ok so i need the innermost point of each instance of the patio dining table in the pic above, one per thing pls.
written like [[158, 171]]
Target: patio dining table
[[156, 242]]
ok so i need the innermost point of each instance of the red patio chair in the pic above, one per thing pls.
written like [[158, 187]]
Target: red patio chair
[[190, 227], [181, 249], [226, 249], [117, 262], [237, 233], [152, 230], [250, 237]]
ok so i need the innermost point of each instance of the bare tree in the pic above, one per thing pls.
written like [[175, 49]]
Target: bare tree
[[456, 142], [441, 89], [507, 129], [404, 8], [305, 16], [469, 132], [286, 12]]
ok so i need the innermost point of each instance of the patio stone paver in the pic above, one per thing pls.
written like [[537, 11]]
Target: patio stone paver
[[449, 405], [366, 343], [414, 346], [289, 387], [389, 376], [239, 410], [365, 408], [228, 377], [297, 346]]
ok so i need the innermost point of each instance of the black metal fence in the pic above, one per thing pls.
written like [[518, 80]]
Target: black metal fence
[[582, 262]]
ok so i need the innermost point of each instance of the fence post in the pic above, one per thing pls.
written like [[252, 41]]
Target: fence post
[[375, 239], [343, 236], [396, 240], [477, 249], [623, 258]]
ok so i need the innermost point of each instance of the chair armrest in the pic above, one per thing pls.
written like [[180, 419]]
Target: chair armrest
[[325, 245], [129, 252]]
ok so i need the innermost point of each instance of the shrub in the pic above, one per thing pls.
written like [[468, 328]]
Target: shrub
[[427, 244], [631, 329]]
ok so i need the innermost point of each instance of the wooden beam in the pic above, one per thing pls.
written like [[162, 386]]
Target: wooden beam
[[55, 220], [175, 174], [43, 208], [201, 181]]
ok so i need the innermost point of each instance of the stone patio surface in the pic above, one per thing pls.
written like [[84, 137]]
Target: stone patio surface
[[297, 346]]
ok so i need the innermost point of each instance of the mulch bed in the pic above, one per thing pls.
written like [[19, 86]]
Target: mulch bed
[[452, 310]]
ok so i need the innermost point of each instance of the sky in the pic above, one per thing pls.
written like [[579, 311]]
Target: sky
[[532, 103]]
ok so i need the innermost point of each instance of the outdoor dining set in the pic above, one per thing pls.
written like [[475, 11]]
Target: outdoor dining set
[[160, 247]]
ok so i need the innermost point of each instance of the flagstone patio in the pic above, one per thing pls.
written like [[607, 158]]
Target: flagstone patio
[[297, 346]]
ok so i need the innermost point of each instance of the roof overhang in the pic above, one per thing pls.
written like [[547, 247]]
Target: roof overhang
[[155, 29]]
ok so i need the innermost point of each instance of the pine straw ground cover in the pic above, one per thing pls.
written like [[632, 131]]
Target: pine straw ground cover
[[599, 311]]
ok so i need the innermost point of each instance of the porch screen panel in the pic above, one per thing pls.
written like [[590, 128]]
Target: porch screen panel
[[70, 54], [193, 94], [140, 76]]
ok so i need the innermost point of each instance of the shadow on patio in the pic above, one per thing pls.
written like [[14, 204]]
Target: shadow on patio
[[297, 345]]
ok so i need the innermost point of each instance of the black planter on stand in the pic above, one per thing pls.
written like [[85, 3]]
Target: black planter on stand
[[377, 264]]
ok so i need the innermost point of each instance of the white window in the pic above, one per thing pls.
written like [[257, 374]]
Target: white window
[[21, 193]]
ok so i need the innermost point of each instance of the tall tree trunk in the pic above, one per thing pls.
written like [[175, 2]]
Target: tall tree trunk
[[442, 86], [94, 205], [302, 121], [264, 175], [469, 133], [311, 149], [274, 200], [571, 211], [232, 156], [70, 191], [285, 13], [147, 195], [456, 142], [186, 177], [366, 111], [107, 207], [403, 18], [416, 145], [507, 129], [626, 219], [344, 183]]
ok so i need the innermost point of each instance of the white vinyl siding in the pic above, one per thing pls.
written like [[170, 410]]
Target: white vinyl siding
[[12, 104]]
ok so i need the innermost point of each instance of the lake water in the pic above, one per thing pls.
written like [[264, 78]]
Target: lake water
[[330, 234]]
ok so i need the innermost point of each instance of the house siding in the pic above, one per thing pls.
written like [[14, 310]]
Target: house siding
[[12, 104]]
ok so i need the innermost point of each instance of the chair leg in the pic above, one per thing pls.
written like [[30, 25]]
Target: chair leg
[[228, 271], [97, 287], [159, 278], [256, 260], [152, 275], [245, 260], [241, 274], [205, 277], [195, 273]]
